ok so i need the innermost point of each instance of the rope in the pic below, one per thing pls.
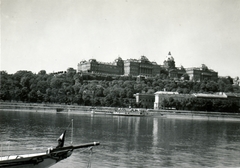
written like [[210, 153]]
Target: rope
[[90, 158], [71, 123], [90, 148], [72, 133], [84, 150]]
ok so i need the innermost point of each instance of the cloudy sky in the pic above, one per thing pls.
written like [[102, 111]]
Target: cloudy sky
[[54, 35]]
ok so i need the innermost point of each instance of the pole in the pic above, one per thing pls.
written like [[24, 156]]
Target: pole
[[72, 133], [1, 151]]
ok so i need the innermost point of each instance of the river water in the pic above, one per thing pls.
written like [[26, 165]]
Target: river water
[[125, 141]]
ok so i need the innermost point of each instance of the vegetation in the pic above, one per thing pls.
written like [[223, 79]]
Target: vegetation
[[71, 87], [195, 104]]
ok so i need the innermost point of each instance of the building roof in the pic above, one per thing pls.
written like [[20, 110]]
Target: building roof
[[199, 68], [165, 92], [143, 94], [204, 95], [233, 94]]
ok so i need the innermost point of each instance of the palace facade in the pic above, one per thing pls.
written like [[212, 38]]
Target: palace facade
[[201, 73], [194, 74], [144, 67], [141, 67], [93, 66], [119, 67]]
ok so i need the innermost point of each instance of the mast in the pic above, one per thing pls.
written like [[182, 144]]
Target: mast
[[72, 133]]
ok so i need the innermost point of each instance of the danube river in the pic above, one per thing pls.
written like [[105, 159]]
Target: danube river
[[125, 141]]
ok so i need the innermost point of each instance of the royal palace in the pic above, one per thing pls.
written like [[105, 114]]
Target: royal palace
[[146, 68]]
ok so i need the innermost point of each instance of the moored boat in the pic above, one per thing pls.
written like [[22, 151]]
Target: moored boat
[[41, 160], [121, 112], [94, 110], [130, 112], [44, 159]]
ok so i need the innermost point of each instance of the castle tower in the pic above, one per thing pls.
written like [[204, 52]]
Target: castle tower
[[120, 65], [169, 62]]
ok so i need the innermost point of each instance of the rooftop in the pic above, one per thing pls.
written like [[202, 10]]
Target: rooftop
[[203, 95], [165, 92]]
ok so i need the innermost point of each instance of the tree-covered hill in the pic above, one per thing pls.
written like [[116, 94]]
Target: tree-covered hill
[[70, 87]]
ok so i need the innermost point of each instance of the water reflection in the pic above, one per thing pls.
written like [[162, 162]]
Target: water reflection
[[126, 141], [155, 132]]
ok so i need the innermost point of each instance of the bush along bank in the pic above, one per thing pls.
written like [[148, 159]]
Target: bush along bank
[[194, 104]]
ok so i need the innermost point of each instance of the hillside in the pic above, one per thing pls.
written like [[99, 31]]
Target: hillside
[[97, 89]]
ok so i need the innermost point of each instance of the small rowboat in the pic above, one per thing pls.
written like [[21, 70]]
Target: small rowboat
[[44, 159], [41, 160]]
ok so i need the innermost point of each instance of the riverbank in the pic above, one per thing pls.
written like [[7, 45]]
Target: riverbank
[[52, 108], [58, 108], [196, 115]]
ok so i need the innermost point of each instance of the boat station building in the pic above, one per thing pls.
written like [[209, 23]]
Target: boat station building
[[154, 101]]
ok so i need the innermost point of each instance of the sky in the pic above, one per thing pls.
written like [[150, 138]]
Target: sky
[[54, 35]]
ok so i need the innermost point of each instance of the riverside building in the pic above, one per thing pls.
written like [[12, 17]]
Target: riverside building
[[160, 96], [144, 100]]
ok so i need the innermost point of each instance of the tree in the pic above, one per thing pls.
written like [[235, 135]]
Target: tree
[[56, 82], [211, 86], [228, 88], [5, 85], [106, 90], [42, 72], [203, 87], [185, 76]]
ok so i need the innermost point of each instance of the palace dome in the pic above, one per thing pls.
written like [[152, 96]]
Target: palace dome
[[169, 57]]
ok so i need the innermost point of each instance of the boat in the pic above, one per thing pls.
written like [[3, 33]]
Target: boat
[[122, 112], [130, 112], [44, 159], [94, 110]]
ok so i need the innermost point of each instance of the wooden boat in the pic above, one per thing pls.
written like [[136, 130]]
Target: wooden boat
[[130, 112], [44, 159], [122, 112], [95, 110]]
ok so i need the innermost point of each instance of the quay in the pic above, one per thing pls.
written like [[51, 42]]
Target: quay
[[74, 109]]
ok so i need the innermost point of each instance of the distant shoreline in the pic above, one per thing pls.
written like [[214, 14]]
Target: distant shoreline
[[39, 107], [55, 108]]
